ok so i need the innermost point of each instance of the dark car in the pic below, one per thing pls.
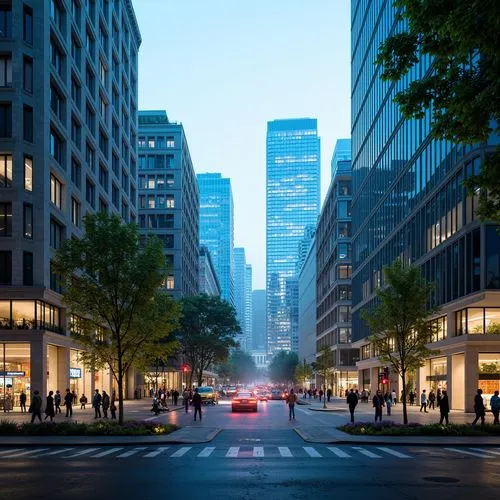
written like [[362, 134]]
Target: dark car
[[277, 394], [244, 401]]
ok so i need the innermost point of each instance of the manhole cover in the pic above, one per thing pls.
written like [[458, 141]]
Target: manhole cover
[[441, 479]]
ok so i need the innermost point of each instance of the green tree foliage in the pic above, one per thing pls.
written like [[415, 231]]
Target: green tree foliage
[[240, 368], [400, 324], [462, 37], [208, 328], [303, 372], [323, 367], [112, 282], [282, 367]]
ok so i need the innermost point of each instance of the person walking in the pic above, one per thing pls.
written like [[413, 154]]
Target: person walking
[[320, 394], [22, 401], [444, 407], [352, 401], [96, 404], [439, 396], [68, 402], [112, 406], [479, 409], [423, 401], [291, 400], [394, 397], [432, 399], [105, 401], [176, 397], [185, 400], [378, 404], [495, 408], [412, 398], [49, 407], [83, 401], [328, 394], [388, 402], [36, 407], [197, 404], [57, 402]]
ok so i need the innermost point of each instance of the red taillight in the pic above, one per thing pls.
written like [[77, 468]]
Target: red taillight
[[252, 400], [236, 401]]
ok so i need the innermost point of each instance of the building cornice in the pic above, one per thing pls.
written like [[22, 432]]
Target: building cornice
[[133, 22]]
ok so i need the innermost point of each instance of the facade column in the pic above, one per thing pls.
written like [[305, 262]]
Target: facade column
[[471, 378], [63, 369], [38, 378], [449, 379], [373, 380]]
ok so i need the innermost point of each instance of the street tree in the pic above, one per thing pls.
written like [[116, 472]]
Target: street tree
[[239, 368], [399, 323], [303, 372], [461, 90], [207, 332], [323, 367], [111, 286], [282, 367]]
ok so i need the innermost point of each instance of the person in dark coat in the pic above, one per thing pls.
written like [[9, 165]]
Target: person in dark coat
[[105, 401], [96, 403], [479, 407], [49, 406], [57, 401], [36, 407], [378, 404], [22, 401], [352, 401], [328, 394], [68, 402], [176, 397], [197, 404], [444, 407]]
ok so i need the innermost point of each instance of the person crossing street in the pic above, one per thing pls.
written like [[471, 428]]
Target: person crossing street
[[291, 400]]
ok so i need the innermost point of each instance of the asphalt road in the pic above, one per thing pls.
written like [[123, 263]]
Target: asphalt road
[[255, 455]]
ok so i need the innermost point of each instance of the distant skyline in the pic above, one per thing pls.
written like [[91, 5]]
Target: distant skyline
[[224, 69]]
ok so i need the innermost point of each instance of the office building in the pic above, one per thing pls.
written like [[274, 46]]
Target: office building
[[217, 228], [68, 132], [248, 307], [409, 203], [208, 281], [293, 192], [240, 294], [169, 200], [334, 269], [259, 329]]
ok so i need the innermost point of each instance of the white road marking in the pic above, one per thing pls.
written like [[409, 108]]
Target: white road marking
[[233, 452], [367, 453], [480, 455], [105, 453], [285, 451], [206, 452], [130, 453], [80, 453], [155, 453], [57, 452], [258, 451], [24, 453], [340, 453], [10, 451], [393, 452], [180, 452], [484, 450], [311, 452]]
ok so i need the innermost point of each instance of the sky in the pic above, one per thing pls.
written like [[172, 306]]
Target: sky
[[224, 68]]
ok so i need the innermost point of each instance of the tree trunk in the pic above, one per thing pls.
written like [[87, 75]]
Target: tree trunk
[[200, 377], [324, 391], [405, 411], [120, 392]]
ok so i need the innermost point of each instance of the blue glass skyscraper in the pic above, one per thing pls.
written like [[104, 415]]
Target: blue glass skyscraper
[[217, 228], [293, 198]]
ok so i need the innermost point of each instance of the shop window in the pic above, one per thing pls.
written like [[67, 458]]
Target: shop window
[[489, 374], [492, 321], [23, 314], [15, 363]]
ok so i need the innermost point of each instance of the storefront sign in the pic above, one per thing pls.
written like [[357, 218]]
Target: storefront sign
[[75, 373], [12, 374]]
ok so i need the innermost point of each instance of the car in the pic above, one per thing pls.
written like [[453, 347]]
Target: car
[[262, 396], [208, 395], [277, 394], [244, 401], [230, 391]]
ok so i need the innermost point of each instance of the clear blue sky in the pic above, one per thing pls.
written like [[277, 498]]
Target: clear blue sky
[[225, 67]]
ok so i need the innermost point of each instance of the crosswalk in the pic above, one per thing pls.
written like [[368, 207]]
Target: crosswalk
[[343, 452]]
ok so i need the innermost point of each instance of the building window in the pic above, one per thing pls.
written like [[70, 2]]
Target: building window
[[27, 269], [90, 81], [55, 280], [28, 221], [27, 74], [103, 106], [103, 73], [124, 211], [57, 15], [57, 103], [28, 123], [57, 147], [56, 58], [90, 192], [5, 268], [55, 191], [5, 170], [344, 272], [28, 173], [5, 70], [76, 51], [90, 157], [76, 173], [28, 25], [103, 206], [5, 119], [477, 321], [75, 11], [142, 142], [103, 142], [90, 118], [90, 44], [5, 21], [170, 201], [5, 219], [76, 132], [103, 177], [56, 234], [75, 212], [76, 92], [170, 282], [170, 142]]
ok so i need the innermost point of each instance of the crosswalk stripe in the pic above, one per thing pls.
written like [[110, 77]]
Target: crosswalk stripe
[[258, 451], [233, 452], [366, 453], [180, 452], [339, 452], [393, 452], [311, 452], [51, 453], [483, 450], [105, 453], [24, 453], [285, 451], [206, 452], [155, 453], [480, 455], [10, 451], [130, 453], [81, 453]]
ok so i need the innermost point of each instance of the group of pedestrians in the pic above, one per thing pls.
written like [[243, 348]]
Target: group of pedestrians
[[194, 398], [315, 393]]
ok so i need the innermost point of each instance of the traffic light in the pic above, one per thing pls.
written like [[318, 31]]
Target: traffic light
[[185, 368], [385, 376]]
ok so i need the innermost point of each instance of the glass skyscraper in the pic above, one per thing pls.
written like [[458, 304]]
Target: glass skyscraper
[[293, 198], [409, 203], [217, 228]]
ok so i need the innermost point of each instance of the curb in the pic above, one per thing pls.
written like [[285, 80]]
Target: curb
[[340, 410]]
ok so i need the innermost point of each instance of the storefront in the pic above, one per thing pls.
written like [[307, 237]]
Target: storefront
[[489, 374], [437, 374], [15, 374]]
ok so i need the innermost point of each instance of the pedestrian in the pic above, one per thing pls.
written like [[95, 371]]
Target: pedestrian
[[36, 407], [197, 404], [57, 401], [83, 402], [310, 393], [388, 402], [479, 409], [96, 404], [105, 401], [423, 401], [75, 397], [378, 404], [22, 401], [291, 400], [176, 397], [364, 396], [412, 398], [68, 402], [432, 399], [320, 394], [444, 408], [495, 407], [112, 406], [352, 401], [328, 394], [8, 403], [49, 407], [439, 396], [185, 400], [394, 397]]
